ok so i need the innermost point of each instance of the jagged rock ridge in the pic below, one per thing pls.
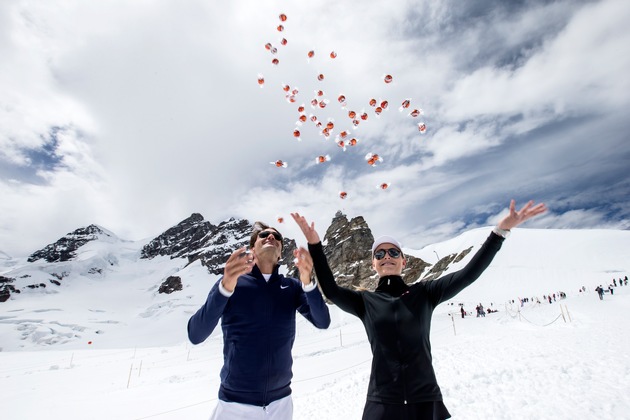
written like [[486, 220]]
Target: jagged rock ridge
[[196, 239], [6, 288], [181, 240], [65, 248], [347, 245], [442, 265], [348, 249]]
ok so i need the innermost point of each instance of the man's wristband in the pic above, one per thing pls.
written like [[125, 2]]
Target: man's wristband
[[225, 292], [309, 287]]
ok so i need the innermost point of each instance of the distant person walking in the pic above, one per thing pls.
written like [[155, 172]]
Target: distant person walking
[[397, 318], [600, 292]]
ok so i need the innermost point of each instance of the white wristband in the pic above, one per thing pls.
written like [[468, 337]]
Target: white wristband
[[224, 291], [309, 287]]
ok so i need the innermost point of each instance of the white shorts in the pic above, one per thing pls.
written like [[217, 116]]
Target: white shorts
[[281, 409]]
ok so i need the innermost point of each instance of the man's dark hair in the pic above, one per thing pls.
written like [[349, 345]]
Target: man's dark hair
[[259, 227]]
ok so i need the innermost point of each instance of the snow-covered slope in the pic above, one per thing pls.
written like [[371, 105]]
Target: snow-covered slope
[[108, 345], [536, 262], [108, 293]]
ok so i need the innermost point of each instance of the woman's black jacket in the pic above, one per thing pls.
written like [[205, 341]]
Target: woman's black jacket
[[397, 318]]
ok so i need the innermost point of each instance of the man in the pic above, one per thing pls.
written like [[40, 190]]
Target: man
[[257, 308]]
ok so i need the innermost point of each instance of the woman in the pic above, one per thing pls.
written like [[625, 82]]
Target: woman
[[397, 319]]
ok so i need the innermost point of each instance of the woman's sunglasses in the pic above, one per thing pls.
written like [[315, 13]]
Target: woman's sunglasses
[[266, 233], [393, 252]]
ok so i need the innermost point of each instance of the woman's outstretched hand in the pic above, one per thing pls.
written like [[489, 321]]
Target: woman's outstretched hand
[[515, 218], [308, 230]]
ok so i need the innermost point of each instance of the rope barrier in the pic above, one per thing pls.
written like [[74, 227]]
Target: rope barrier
[[519, 314], [509, 312], [558, 317]]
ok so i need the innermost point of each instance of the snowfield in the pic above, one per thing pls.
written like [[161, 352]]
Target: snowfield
[[112, 348]]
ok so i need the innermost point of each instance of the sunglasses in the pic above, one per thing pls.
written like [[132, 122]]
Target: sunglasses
[[266, 233], [393, 252]]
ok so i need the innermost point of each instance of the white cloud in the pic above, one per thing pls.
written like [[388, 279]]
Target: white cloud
[[162, 116], [579, 71]]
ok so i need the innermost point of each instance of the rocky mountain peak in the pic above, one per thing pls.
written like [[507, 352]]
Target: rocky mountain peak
[[348, 248], [65, 248], [221, 242], [180, 240], [229, 236], [347, 245], [443, 264]]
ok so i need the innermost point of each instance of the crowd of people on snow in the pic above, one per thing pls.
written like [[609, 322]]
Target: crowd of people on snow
[[479, 310], [549, 298], [611, 287]]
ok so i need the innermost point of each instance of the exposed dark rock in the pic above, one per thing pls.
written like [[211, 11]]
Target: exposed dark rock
[[6, 288], [170, 285], [187, 236], [219, 244], [347, 245], [442, 265], [348, 249], [57, 278], [225, 239], [462, 254], [65, 248]]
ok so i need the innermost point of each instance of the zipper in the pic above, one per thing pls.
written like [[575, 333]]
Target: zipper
[[398, 343], [268, 290]]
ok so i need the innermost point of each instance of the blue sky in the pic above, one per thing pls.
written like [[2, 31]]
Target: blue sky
[[135, 115]]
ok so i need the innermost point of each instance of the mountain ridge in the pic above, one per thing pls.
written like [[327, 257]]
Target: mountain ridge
[[96, 253], [107, 292], [192, 239]]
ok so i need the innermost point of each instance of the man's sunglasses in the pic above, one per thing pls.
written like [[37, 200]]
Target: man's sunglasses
[[393, 252], [266, 233]]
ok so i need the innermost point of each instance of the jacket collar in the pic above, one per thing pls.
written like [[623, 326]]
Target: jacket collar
[[258, 274], [392, 285]]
